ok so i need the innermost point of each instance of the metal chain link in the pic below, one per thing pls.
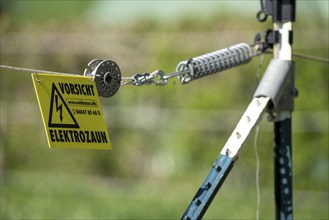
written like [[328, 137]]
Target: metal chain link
[[139, 79], [158, 77]]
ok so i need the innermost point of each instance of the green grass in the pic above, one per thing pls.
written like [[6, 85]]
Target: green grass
[[37, 195]]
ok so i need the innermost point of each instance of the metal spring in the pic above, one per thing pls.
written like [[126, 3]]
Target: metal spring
[[214, 62]]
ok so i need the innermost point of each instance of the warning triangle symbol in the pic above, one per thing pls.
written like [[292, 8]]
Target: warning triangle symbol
[[60, 116]]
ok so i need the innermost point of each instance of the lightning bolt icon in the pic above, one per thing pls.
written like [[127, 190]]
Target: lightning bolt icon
[[59, 108], [60, 115]]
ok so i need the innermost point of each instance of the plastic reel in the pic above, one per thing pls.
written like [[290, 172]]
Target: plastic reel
[[107, 76]]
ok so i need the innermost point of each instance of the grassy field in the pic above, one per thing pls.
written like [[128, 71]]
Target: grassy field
[[32, 195]]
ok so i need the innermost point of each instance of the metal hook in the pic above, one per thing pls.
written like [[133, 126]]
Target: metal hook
[[261, 16], [36, 77]]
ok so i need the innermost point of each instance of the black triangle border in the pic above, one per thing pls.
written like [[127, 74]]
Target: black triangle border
[[57, 125]]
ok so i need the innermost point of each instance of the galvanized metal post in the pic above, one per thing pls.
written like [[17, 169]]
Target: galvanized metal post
[[283, 16]]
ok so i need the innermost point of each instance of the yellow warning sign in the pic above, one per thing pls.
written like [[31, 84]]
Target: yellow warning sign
[[71, 111]]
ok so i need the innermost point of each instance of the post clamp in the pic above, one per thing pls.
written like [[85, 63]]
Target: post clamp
[[278, 84]]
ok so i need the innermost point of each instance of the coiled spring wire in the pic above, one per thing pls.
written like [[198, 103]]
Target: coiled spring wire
[[215, 62], [195, 68]]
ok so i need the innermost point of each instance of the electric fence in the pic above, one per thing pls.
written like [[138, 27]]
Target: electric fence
[[275, 95]]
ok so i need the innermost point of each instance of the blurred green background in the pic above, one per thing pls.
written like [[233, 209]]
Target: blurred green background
[[164, 139]]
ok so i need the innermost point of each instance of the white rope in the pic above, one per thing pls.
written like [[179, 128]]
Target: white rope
[[20, 69], [261, 60], [257, 172]]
